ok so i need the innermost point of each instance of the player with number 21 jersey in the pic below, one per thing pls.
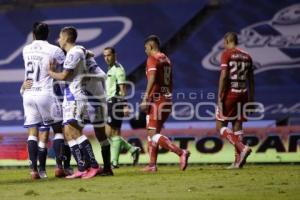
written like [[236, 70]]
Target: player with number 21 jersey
[[40, 104]]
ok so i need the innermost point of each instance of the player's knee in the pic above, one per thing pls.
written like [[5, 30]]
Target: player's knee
[[115, 132], [43, 139], [151, 132], [68, 137], [237, 126], [33, 131], [100, 133], [218, 126]]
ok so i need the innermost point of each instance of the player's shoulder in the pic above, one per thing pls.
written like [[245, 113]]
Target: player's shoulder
[[227, 52], [78, 50], [27, 47], [151, 62], [159, 56], [151, 58], [243, 52], [54, 47], [155, 57], [46, 46], [55, 50]]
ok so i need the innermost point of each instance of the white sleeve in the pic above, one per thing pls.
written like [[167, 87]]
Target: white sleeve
[[72, 59], [59, 56], [94, 68], [97, 70], [91, 65]]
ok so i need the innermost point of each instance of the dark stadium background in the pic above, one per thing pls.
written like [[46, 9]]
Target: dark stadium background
[[191, 31]]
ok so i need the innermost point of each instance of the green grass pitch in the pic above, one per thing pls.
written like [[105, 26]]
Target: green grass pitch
[[197, 182]]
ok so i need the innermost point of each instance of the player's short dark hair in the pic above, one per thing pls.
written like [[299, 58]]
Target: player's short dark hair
[[71, 32], [112, 50], [231, 37], [40, 31], [153, 38]]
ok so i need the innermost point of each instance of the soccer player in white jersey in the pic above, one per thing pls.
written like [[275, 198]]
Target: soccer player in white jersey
[[75, 103], [41, 107], [61, 150]]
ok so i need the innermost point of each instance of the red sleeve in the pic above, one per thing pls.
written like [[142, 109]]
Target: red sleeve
[[151, 64], [224, 61]]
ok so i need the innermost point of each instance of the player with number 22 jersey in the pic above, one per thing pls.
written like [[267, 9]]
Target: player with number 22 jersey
[[238, 64]]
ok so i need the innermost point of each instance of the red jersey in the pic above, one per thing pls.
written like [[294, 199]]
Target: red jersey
[[239, 64], [163, 84]]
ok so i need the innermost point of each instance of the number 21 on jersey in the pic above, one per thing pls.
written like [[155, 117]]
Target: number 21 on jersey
[[33, 71]]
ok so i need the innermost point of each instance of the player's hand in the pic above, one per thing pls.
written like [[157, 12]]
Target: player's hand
[[126, 111], [251, 109], [27, 84], [251, 105], [89, 54], [144, 106]]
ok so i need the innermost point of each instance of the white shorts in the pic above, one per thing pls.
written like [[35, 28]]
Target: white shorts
[[41, 109], [76, 110]]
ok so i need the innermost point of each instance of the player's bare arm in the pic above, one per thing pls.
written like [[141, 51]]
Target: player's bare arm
[[61, 76], [150, 84]]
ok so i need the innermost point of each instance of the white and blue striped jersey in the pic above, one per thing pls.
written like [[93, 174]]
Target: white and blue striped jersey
[[37, 57], [76, 62], [95, 86]]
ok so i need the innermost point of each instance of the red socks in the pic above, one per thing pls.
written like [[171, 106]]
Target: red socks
[[232, 138], [164, 142], [152, 150]]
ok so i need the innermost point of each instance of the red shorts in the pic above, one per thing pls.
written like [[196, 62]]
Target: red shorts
[[233, 107], [159, 112]]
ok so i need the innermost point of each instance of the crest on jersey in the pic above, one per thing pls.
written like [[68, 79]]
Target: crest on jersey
[[273, 44]]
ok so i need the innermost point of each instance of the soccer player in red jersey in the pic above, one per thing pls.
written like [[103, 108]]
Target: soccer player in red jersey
[[157, 103], [233, 96]]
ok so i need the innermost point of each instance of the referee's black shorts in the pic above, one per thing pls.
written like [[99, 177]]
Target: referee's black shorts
[[115, 113]]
